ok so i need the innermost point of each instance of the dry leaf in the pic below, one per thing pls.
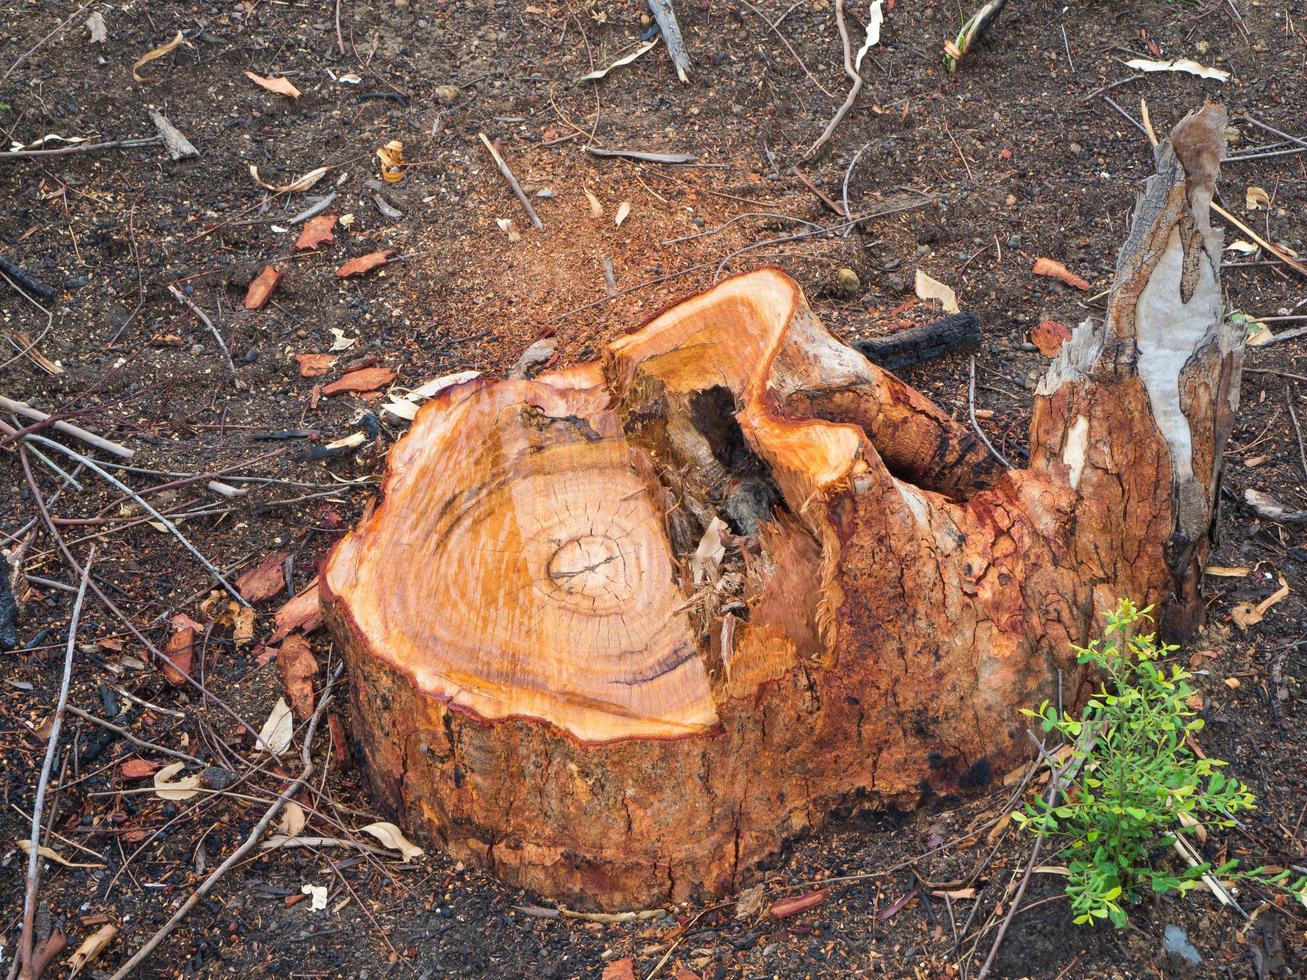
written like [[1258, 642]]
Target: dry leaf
[[300, 613], [95, 24], [800, 903], [1056, 270], [392, 161], [596, 209], [364, 263], [623, 210], [875, 18], [317, 230], [930, 288], [264, 580], [619, 970], [276, 734], [391, 837], [594, 76], [1256, 197], [281, 86], [314, 365], [341, 342], [180, 651], [1258, 334], [261, 287], [292, 819], [158, 52], [1241, 246], [1179, 64], [92, 946], [1246, 614], [1049, 336], [301, 183], [52, 855], [365, 379], [180, 789], [1239, 571], [318, 896], [509, 227], [138, 769], [298, 668], [242, 625]]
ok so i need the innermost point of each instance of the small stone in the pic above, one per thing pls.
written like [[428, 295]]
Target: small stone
[[1076, 148], [447, 93], [1202, 47], [847, 283], [1010, 200], [251, 356]]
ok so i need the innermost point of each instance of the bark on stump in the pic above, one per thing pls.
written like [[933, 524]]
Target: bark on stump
[[564, 671]]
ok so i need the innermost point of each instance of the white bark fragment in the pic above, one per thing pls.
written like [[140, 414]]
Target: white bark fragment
[[1077, 444]]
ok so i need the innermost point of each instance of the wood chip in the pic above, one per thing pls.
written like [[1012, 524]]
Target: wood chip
[[364, 263], [261, 288], [319, 230], [368, 379], [1056, 270], [314, 365], [265, 579]]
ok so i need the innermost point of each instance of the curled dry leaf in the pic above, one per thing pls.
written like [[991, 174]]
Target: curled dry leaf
[[391, 837], [92, 946], [1049, 336], [392, 161], [281, 86], [406, 405], [300, 613], [314, 365], [50, 854], [276, 734], [786, 907], [158, 52], [341, 342], [596, 209], [298, 668], [1241, 246], [1245, 614], [365, 379], [928, 287], [1179, 64], [1056, 270], [264, 580], [292, 819], [301, 183], [318, 230], [180, 652], [138, 769], [623, 212], [509, 227], [875, 18], [1226, 571], [261, 287], [364, 263], [1256, 197], [594, 76], [318, 894], [175, 789]]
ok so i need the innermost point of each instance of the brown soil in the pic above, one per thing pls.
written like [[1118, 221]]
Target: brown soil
[[1012, 158]]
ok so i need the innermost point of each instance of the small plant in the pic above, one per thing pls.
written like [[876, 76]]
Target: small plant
[[1133, 784]]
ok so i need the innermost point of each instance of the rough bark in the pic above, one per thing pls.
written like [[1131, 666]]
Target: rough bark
[[551, 675]]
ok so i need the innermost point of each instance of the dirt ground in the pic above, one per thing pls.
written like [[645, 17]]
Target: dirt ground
[[967, 176]]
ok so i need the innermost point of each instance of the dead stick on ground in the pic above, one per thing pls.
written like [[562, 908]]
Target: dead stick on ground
[[30, 51], [854, 89], [189, 304], [153, 747], [512, 181], [1275, 250], [975, 424], [90, 438], [64, 151], [51, 748], [251, 842]]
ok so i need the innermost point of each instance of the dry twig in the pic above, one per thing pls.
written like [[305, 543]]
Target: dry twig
[[512, 181], [854, 89]]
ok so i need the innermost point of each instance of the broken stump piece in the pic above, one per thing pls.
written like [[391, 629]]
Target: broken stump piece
[[620, 632], [916, 345]]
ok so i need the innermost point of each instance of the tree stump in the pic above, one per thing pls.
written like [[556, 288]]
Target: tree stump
[[620, 632]]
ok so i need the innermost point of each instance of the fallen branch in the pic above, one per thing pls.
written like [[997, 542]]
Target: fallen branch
[[904, 348], [251, 842], [63, 151], [512, 181], [975, 424], [124, 733], [25, 279], [43, 784], [1275, 250]]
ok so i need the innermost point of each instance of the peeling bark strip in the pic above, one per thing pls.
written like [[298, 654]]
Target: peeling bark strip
[[621, 631]]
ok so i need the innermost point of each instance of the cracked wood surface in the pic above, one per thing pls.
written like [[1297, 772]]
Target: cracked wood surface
[[540, 683]]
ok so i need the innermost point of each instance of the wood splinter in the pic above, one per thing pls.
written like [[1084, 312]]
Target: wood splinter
[[621, 631]]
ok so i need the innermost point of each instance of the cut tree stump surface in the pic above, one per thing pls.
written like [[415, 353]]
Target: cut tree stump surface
[[620, 632]]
